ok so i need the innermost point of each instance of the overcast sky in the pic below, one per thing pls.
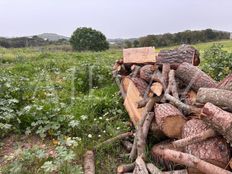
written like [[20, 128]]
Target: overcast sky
[[115, 18]]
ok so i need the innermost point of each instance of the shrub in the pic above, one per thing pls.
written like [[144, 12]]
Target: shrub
[[84, 39], [217, 62]]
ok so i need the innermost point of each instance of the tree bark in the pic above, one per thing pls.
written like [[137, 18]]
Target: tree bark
[[172, 84], [135, 71], [213, 150], [192, 139], [153, 169], [140, 166], [184, 171], [188, 160], [226, 83], [187, 109], [218, 97], [141, 85], [165, 71], [125, 168], [142, 103], [142, 134], [185, 53], [218, 119], [169, 119], [148, 108], [89, 163], [194, 77], [147, 71]]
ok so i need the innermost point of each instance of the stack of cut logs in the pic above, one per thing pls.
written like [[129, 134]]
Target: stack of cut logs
[[168, 97]]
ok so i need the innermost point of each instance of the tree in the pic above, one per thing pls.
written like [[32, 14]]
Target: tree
[[128, 44], [84, 39], [136, 43]]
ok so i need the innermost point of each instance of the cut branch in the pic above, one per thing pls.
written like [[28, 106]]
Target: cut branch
[[153, 169], [147, 109], [140, 166], [218, 119], [125, 168], [188, 160], [188, 109], [89, 163], [117, 138], [165, 72], [173, 85], [194, 138]]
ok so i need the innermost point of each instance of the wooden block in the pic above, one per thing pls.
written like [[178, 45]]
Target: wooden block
[[139, 55], [130, 103]]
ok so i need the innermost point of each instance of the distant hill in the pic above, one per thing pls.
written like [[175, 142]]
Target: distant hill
[[52, 36]]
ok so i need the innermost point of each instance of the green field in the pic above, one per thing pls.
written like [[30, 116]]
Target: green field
[[69, 99]]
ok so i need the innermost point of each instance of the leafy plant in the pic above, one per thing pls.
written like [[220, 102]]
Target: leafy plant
[[217, 62], [44, 160]]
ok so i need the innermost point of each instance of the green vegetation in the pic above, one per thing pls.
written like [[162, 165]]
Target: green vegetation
[[217, 62], [88, 39], [49, 94], [69, 99]]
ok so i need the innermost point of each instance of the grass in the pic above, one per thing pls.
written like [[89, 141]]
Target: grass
[[81, 81], [68, 84]]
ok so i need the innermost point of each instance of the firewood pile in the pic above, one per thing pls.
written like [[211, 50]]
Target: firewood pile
[[167, 96]]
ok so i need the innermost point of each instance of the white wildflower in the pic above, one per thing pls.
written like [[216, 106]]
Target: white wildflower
[[90, 136], [84, 117], [27, 108]]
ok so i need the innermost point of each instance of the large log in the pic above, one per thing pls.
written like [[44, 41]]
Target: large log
[[218, 97], [226, 83], [213, 150], [139, 55], [185, 53], [194, 77], [188, 160], [218, 119], [169, 119], [147, 71], [141, 85]]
